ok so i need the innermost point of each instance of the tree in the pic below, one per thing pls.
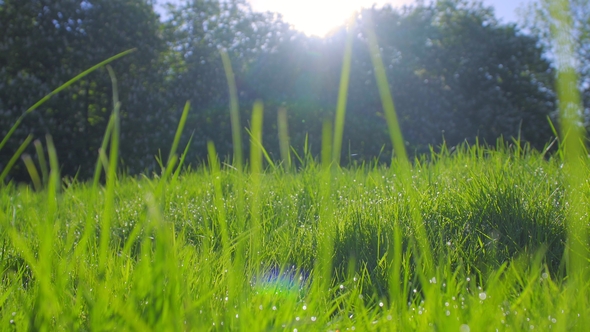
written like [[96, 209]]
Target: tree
[[455, 72], [196, 31], [45, 43]]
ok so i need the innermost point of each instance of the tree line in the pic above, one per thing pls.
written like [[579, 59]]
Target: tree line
[[454, 71]]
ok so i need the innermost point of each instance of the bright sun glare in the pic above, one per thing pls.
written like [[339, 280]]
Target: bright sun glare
[[318, 17]]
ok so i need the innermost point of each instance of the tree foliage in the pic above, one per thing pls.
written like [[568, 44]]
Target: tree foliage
[[466, 74], [45, 43], [454, 71]]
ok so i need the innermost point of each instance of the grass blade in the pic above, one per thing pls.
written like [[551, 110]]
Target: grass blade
[[59, 89], [42, 161], [575, 156], [103, 147], [182, 158], [108, 209], [326, 144], [14, 158], [32, 171], [283, 128], [424, 257], [256, 138], [342, 96], [255, 176], [234, 110], [395, 132], [179, 130]]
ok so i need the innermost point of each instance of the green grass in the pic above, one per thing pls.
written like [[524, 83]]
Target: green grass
[[468, 239], [222, 246]]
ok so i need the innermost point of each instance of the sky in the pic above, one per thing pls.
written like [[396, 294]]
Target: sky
[[318, 17]]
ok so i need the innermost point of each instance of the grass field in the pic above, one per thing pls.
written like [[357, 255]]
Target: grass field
[[315, 249], [469, 238]]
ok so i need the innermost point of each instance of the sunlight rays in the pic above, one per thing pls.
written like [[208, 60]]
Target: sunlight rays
[[318, 17]]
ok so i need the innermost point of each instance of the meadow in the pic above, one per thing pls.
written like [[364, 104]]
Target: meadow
[[309, 249], [467, 238]]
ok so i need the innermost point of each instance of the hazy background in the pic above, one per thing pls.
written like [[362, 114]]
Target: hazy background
[[459, 71]]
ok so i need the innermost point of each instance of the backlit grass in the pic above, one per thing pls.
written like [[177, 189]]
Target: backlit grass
[[192, 256]]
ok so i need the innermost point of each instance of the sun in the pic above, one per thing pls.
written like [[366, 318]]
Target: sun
[[318, 17]]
